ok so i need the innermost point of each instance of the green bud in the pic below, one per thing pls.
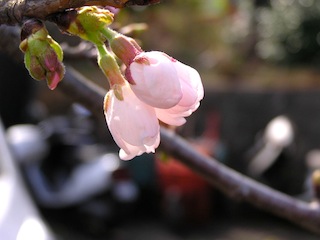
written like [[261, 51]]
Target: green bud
[[56, 48], [35, 69], [43, 56], [86, 22]]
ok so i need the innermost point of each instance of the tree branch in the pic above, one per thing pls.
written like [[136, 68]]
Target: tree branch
[[14, 11], [238, 186]]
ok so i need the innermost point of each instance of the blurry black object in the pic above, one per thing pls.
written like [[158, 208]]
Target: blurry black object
[[63, 162], [80, 184], [16, 91]]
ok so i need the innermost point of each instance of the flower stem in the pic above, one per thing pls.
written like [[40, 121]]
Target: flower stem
[[109, 66], [109, 33], [125, 48]]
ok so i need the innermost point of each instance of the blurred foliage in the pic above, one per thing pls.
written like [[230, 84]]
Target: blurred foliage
[[289, 32]]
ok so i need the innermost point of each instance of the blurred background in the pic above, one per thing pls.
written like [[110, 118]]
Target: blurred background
[[259, 63]]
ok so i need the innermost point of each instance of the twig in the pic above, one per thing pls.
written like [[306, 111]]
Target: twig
[[83, 91], [84, 50], [238, 186]]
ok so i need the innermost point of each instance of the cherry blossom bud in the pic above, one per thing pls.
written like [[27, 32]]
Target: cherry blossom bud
[[43, 56], [133, 124], [87, 22], [193, 93], [125, 48], [155, 80]]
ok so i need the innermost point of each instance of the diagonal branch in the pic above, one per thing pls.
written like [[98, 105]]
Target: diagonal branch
[[14, 11], [238, 186]]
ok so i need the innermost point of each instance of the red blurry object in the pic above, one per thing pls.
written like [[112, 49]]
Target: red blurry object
[[185, 196]]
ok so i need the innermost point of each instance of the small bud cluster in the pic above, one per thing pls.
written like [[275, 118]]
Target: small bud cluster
[[42, 55]]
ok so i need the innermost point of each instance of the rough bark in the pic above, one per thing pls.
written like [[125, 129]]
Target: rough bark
[[14, 11]]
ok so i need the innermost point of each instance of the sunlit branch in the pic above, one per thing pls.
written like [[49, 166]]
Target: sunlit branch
[[14, 11]]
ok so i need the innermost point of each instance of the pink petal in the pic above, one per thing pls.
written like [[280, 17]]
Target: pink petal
[[156, 81]]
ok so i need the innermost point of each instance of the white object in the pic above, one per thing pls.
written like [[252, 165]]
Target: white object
[[16, 206]]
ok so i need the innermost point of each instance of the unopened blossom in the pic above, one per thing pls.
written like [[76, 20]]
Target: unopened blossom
[[132, 123], [155, 80], [42, 55], [171, 87], [88, 22], [192, 94]]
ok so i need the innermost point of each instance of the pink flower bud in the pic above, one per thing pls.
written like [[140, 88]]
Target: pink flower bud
[[125, 48], [133, 124], [193, 93], [154, 79], [54, 77], [54, 68]]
